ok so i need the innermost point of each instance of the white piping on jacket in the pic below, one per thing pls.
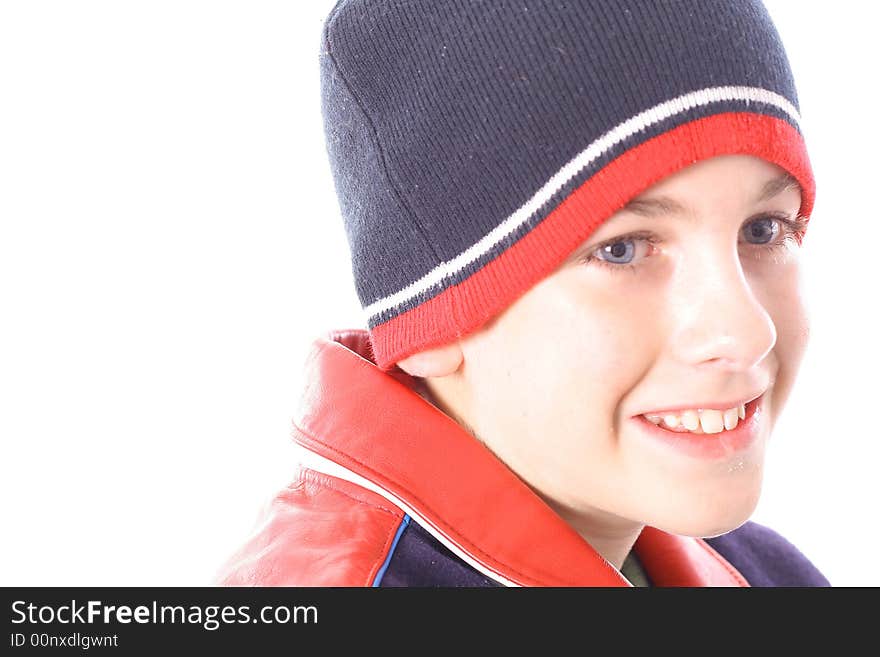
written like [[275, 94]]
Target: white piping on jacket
[[318, 463]]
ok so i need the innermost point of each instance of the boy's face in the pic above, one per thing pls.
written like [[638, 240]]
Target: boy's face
[[710, 311]]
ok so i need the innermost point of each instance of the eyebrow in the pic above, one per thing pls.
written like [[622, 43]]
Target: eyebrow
[[664, 205]]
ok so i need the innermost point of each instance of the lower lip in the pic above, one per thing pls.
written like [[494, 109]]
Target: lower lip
[[710, 445]]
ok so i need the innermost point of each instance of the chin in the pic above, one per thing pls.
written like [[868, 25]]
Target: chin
[[715, 515], [709, 528]]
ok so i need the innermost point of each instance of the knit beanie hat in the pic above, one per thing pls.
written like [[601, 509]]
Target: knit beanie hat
[[475, 144]]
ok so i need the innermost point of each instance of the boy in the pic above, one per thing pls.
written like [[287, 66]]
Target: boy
[[574, 230]]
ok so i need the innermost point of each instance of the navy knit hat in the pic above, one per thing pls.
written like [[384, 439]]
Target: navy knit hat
[[475, 144]]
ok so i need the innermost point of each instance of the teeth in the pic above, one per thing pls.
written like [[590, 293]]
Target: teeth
[[731, 418], [700, 420], [712, 421], [690, 420]]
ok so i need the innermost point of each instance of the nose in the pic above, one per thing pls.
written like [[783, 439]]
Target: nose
[[719, 321]]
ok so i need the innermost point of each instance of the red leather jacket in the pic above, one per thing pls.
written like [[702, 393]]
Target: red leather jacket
[[391, 491]]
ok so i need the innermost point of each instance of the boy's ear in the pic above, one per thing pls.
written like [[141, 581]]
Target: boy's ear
[[436, 361]]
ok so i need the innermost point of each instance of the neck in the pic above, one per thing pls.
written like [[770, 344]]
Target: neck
[[611, 536]]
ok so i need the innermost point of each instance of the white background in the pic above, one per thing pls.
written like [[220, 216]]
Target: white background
[[170, 244]]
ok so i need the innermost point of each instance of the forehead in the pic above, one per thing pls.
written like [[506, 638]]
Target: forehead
[[665, 198]]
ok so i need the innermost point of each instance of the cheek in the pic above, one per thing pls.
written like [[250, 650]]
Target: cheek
[[566, 354], [783, 297], [551, 379], [793, 328]]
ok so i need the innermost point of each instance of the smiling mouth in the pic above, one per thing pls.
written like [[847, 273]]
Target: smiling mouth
[[702, 421]]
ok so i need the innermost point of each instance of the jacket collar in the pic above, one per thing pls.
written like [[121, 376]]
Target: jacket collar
[[371, 427]]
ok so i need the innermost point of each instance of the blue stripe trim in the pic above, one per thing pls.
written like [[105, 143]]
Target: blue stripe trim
[[403, 525]]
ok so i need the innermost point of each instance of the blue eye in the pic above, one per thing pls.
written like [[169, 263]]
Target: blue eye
[[623, 253], [763, 231], [618, 253]]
